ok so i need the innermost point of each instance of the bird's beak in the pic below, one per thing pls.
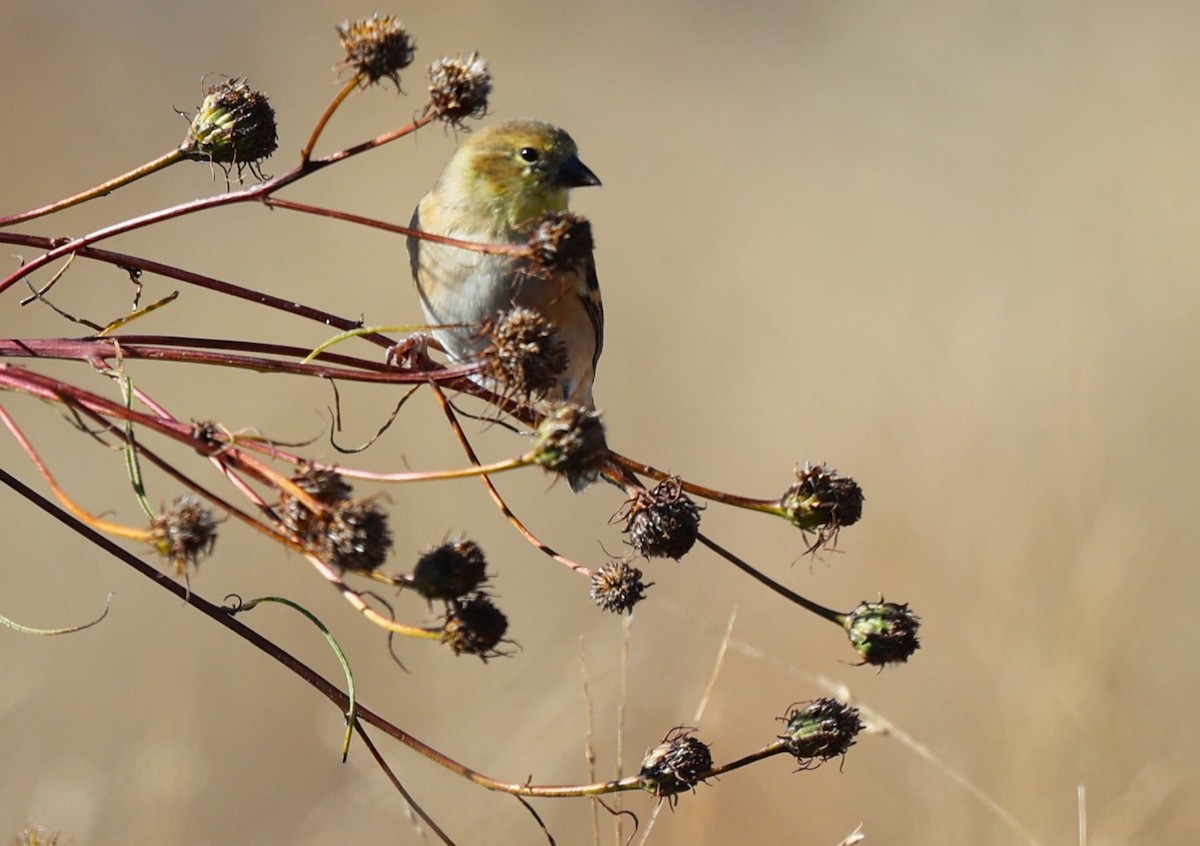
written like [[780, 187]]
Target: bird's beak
[[575, 174]]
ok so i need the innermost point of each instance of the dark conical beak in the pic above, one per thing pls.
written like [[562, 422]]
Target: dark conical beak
[[575, 174]]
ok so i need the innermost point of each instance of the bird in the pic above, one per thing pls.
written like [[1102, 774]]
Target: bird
[[497, 184]]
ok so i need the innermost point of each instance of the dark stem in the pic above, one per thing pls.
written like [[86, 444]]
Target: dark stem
[[808, 604]]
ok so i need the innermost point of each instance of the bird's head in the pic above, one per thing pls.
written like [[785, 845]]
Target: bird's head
[[518, 170]]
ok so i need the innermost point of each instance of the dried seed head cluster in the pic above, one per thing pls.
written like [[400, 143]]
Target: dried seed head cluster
[[560, 241], [474, 627], [459, 88], [234, 125], [450, 571], [819, 730], [822, 501], [185, 534], [355, 536], [662, 522], [883, 632], [528, 354], [570, 440], [377, 48], [349, 534], [325, 486], [618, 586], [675, 765]]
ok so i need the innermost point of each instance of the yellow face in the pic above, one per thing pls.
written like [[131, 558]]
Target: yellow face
[[520, 169]]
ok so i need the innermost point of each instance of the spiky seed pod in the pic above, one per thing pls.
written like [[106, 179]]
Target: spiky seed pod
[[560, 242], [450, 571], [234, 125], [883, 632], [208, 432], [618, 586], [326, 486], [377, 48], [528, 353], [675, 765], [822, 501], [185, 534], [819, 730], [354, 535], [570, 440], [459, 88], [474, 627], [662, 522]]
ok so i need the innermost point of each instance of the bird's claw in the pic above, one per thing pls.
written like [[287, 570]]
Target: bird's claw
[[408, 353]]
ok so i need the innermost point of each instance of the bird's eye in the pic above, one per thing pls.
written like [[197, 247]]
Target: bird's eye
[[530, 154]]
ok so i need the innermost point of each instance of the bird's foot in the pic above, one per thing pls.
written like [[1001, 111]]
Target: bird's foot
[[412, 352]]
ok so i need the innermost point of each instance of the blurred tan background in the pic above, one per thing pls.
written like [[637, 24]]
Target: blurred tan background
[[950, 249]]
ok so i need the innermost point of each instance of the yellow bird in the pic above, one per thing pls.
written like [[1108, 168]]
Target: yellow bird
[[499, 181]]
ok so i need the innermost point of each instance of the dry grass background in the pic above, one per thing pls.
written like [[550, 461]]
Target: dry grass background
[[949, 248]]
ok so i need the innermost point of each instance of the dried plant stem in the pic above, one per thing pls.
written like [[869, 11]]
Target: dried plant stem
[[807, 604], [396, 783], [253, 193], [127, 261], [769, 506], [516, 250], [98, 523], [163, 161], [495, 494], [317, 681], [779, 747], [326, 115]]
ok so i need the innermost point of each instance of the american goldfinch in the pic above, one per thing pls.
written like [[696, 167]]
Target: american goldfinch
[[499, 181]]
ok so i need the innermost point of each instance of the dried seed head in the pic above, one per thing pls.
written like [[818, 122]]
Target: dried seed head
[[618, 586], [354, 535], [819, 730], [326, 486], [475, 627], [822, 501], [883, 632], [560, 242], [185, 534], [234, 125], [570, 440], [459, 88], [209, 433], [377, 48], [662, 522], [450, 571], [529, 355], [675, 765]]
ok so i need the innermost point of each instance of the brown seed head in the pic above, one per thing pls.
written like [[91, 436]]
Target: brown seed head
[[819, 730], [326, 486], [459, 88], [528, 354], [234, 125], [354, 535], [185, 534], [618, 586], [883, 632], [450, 571], [560, 242], [475, 627], [377, 48], [662, 522], [675, 765], [570, 440], [822, 501]]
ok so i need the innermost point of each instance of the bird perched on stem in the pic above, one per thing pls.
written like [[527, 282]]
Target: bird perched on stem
[[494, 189], [499, 183]]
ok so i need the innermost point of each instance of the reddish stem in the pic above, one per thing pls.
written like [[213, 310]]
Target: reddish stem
[[249, 194]]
